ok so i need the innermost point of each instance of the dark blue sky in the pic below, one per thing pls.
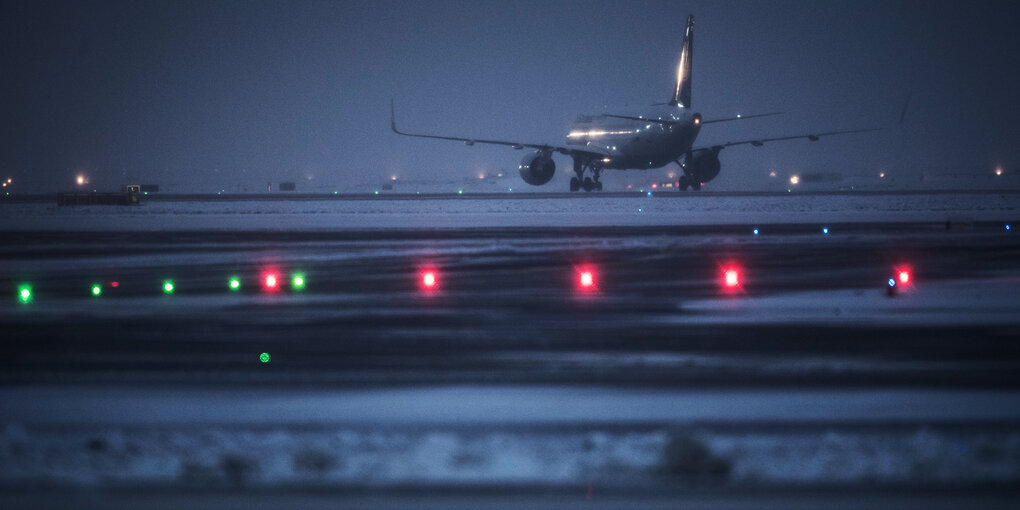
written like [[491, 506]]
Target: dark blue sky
[[226, 94]]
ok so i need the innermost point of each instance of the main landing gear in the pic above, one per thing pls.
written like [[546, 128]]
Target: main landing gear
[[688, 181], [587, 183]]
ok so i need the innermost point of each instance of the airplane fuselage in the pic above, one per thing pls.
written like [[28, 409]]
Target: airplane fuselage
[[633, 144], [663, 135]]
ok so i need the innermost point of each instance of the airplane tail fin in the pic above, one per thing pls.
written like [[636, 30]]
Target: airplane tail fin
[[682, 93]]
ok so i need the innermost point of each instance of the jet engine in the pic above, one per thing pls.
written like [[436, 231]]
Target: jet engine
[[703, 165], [538, 168]]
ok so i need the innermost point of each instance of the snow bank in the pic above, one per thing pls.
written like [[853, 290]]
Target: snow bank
[[467, 212]]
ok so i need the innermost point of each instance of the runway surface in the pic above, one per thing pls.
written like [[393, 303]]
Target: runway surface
[[805, 380]]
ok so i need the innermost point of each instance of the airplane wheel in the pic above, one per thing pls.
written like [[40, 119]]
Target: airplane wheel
[[598, 185], [682, 184], [589, 184], [574, 184], [696, 186]]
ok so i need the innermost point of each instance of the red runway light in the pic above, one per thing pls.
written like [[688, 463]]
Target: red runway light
[[115, 284], [271, 281], [429, 280], [732, 278], [904, 276], [587, 279]]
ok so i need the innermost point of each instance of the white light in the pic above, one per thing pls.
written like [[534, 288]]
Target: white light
[[596, 133], [881, 175], [794, 179], [998, 171]]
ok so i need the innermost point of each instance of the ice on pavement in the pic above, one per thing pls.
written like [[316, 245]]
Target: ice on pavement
[[492, 405]]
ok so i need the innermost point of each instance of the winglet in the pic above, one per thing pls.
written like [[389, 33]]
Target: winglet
[[393, 118], [682, 93], [906, 104]]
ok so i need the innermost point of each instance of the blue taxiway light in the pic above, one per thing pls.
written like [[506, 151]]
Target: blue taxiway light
[[825, 230], [892, 282], [755, 231]]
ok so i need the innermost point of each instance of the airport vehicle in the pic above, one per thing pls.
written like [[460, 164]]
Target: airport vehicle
[[661, 136]]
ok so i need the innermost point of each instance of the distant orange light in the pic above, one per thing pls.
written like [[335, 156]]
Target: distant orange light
[[998, 171], [81, 180]]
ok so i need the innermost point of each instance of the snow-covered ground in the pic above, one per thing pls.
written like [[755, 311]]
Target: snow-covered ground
[[134, 429], [499, 436], [468, 211], [992, 300]]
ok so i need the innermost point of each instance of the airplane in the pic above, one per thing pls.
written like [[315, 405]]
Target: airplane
[[664, 135]]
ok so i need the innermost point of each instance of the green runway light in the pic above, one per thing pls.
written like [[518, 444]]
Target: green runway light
[[25, 293], [299, 281], [264, 357], [235, 284], [168, 287], [97, 290]]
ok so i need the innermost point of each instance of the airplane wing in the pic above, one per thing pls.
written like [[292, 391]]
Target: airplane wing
[[667, 121], [758, 142], [573, 151], [742, 117]]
